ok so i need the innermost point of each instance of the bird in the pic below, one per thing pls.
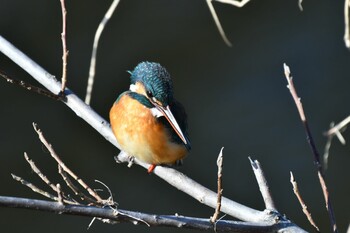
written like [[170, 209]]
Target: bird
[[147, 121]]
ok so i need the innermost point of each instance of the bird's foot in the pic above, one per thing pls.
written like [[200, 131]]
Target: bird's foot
[[151, 168], [130, 161]]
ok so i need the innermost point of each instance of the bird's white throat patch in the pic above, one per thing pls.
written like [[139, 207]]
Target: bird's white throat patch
[[133, 87], [156, 113]]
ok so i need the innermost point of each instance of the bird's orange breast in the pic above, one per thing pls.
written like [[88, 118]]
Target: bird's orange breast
[[141, 135]]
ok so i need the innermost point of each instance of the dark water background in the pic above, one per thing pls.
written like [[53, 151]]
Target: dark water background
[[235, 97]]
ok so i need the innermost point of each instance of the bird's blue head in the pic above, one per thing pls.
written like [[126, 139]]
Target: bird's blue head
[[156, 82], [153, 87]]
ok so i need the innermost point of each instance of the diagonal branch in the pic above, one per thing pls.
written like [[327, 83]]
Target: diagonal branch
[[173, 177]]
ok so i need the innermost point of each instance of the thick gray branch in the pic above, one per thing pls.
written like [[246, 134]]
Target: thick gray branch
[[133, 217]]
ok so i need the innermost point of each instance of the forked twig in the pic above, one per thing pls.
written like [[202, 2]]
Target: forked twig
[[35, 189], [64, 167], [263, 185], [75, 190], [98, 33], [335, 130], [64, 46], [302, 203], [39, 173], [219, 163], [312, 146], [338, 128]]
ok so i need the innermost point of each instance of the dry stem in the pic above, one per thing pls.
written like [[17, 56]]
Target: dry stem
[[313, 148], [302, 203], [219, 163], [64, 46]]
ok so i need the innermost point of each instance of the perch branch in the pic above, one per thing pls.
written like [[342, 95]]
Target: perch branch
[[263, 185], [302, 203], [173, 177], [313, 148], [132, 217], [64, 46], [30, 87], [98, 33], [219, 163]]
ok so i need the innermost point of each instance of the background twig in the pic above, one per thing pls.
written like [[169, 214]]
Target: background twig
[[98, 33], [313, 148]]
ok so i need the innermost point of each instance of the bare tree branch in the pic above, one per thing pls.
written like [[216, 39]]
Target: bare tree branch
[[263, 185], [119, 215], [313, 148], [173, 177]]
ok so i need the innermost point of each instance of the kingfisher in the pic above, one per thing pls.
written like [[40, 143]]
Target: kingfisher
[[147, 121]]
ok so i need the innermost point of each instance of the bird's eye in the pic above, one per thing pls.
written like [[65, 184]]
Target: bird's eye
[[149, 94]]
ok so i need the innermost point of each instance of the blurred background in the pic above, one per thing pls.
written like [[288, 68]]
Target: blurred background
[[235, 98]]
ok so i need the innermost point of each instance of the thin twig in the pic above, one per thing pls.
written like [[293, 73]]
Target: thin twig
[[313, 148], [263, 185], [64, 46], [327, 147], [59, 194], [39, 173], [338, 128], [219, 163], [75, 190], [218, 24], [236, 3], [30, 87], [64, 167], [98, 33], [347, 25], [300, 4], [33, 187], [302, 203]]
